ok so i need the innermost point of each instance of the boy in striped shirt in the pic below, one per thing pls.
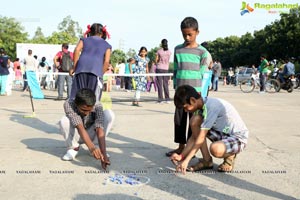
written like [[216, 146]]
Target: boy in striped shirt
[[190, 63]]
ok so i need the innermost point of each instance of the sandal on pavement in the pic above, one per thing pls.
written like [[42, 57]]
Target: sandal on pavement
[[228, 164], [135, 103], [178, 151], [201, 165]]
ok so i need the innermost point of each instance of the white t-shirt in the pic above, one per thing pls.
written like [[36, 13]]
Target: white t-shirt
[[121, 68]]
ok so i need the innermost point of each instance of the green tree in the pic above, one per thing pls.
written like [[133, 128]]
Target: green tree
[[117, 56], [11, 32], [68, 32], [152, 54], [130, 53], [39, 37]]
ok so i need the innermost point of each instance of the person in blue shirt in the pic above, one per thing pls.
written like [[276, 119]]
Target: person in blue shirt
[[288, 70]]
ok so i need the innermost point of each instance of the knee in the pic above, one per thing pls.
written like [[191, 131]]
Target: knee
[[64, 122], [109, 116], [218, 149]]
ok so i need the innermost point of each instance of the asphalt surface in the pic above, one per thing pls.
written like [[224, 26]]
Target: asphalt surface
[[31, 150]]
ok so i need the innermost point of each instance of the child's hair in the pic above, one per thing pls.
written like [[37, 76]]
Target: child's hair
[[164, 44], [189, 22], [85, 96], [183, 94], [42, 63], [143, 48], [98, 29]]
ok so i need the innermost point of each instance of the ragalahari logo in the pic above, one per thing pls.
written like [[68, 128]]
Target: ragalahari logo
[[246, 8]]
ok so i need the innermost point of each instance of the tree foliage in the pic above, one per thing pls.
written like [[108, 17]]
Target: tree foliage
[[11, 32], [277, 40], [117, 56], [130, 53], [39, 37]]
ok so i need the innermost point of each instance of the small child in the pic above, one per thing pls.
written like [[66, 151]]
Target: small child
[[18, 77], [215, 119]]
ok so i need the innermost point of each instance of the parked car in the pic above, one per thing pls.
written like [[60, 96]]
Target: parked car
[[244, 73]]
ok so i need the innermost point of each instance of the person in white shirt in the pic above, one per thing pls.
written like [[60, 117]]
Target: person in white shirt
[[121, 66], [30, 64]]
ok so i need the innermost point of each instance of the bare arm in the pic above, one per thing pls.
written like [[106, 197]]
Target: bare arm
[[85, 137], [130, 67], [76, 53], [156, 58], [55, 61], [191, 149], [106, 60], [101, 140]]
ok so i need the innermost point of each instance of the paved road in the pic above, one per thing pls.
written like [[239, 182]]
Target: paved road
[[31, 148]]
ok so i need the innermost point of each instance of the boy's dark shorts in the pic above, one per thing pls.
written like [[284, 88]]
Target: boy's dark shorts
[[232, 143]]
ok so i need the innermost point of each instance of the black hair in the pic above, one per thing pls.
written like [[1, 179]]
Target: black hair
[[97, 29], [65, 45], [189, 22], [164, 44], [204, 44], [29, 52], [85, 96], [42, 63], [183, 95], [142, 48]]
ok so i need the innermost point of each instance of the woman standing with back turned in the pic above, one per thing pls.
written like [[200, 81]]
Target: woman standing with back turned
[[162, 59]]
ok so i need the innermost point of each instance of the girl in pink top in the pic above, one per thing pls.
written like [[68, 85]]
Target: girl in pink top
[[18, 76]]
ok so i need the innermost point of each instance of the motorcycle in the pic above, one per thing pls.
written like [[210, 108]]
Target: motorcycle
[[289, 83], [297, 81]]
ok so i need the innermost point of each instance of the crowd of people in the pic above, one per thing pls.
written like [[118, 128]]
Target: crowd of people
[[197, 117]]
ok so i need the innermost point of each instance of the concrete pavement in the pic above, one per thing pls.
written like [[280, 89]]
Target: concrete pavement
[[31, 149]]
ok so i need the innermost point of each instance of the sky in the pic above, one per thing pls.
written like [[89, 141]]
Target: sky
[[137, 23]]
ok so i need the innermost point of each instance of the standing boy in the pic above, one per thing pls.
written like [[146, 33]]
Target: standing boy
[[263, 72], [83, 123], [215, 119], [190, 63]]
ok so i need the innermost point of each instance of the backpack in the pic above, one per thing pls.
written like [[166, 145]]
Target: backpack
[[66, 62]]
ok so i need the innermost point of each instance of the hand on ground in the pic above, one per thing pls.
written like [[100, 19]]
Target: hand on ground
[[105, 162], [97, 154], [181, 167], [175, 158]]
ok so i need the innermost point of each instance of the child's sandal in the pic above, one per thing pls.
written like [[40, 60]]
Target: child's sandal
[[228, 164], [201, 165]]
